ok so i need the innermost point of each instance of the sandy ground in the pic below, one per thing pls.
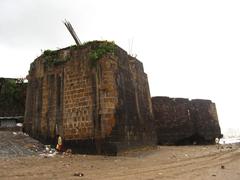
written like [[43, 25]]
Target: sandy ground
[[162, 162]]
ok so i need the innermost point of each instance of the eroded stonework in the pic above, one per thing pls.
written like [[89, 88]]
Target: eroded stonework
[[105, 100], [181, 121]]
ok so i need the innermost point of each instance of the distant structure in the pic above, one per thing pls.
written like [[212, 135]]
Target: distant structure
[[12, 101], [91, 94], [180, 121]]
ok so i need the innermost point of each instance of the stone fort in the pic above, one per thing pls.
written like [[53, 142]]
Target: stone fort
[[98, 94], [93, 93]]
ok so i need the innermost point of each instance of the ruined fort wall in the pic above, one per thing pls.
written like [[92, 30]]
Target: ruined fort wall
[[172, 118], [179, 120], [107, 101], [78, 100], [204, 115], [42, 103], [108, 95], [134, 125]]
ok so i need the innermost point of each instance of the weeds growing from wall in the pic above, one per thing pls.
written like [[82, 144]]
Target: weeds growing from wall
[[52, 58], [100, 50]]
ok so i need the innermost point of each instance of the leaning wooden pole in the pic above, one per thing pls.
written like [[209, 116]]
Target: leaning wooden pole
[[72, 32]]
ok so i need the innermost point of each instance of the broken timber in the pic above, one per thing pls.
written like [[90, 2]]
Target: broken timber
[[72, 32]]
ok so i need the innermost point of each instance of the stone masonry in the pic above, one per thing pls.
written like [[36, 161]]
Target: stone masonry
[[181, 121], [105, 101]]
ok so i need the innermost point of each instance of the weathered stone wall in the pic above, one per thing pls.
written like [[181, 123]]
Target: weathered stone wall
[[107, 101], [180, 121], [12, 97], [204, 115]]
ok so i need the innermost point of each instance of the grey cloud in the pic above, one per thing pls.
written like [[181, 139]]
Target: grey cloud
[[36, 23]]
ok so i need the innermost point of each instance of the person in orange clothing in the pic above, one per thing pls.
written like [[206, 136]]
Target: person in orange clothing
[[59, 146]]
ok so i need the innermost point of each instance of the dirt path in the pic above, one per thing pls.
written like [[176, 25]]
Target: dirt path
[[165, 162]]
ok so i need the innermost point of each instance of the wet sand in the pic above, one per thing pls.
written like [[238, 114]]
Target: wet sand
[[162, 162]]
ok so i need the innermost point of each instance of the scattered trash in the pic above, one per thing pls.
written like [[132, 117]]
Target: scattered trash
[[68, 152], [25, 134], [78, 174], [48, 151], [20, 133], [46, 155], [66, 165], [47, 148], [19, 124]]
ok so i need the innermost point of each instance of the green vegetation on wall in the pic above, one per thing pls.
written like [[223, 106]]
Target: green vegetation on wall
[[98, 50], [101, 50], [52, 58]]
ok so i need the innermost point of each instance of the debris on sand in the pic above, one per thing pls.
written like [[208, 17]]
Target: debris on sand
[[46, 155], [48, 152], [67, 152], [78, 174], [19, 124]]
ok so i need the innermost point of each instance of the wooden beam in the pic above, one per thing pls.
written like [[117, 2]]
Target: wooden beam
[[72, 32]]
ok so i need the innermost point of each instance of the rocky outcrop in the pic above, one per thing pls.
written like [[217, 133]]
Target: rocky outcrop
[[94, 93], [180, 121]]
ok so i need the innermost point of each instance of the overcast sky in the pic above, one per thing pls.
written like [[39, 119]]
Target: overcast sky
[[189, 48]]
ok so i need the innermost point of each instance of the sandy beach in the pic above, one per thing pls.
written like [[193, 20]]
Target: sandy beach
[[162, 162]]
